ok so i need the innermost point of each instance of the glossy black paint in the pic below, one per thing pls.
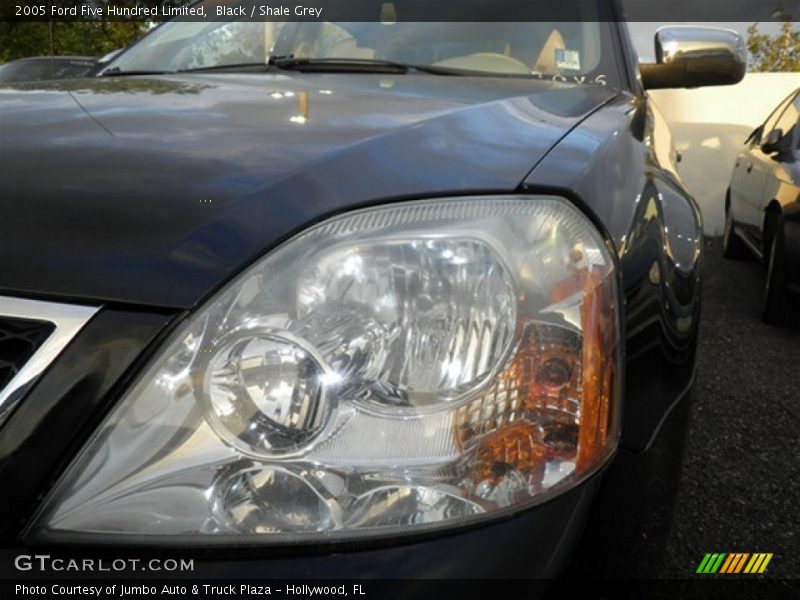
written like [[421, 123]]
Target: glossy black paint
[[186, 187], [620, 165], [193, 177], [152, 192]]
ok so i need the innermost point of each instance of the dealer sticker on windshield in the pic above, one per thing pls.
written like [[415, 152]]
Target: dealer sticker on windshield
[[568, 59]]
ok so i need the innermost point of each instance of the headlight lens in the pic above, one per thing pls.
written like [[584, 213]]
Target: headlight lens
[[417, 364]]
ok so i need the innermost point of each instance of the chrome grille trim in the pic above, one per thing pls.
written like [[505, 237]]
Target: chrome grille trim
[[68, 320]]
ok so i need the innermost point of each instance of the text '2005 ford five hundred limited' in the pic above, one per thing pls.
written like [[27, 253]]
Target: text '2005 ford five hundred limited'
[[401, 293]]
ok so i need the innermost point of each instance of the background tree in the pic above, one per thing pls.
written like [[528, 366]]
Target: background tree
[[780, 52], [84, 38]]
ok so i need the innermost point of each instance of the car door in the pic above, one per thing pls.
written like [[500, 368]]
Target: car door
[[780, 164], [757, 170], [750, 177], [742, 182]]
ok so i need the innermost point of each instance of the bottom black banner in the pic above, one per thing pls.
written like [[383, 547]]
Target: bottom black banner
[[774, 589]]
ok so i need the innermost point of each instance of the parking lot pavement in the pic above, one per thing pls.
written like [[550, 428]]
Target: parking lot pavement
[[740, 489]]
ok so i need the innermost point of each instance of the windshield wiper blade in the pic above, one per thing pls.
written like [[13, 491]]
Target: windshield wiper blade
[[231, 66], [312, 65], [337, 64], [354, 65], [117, 72]]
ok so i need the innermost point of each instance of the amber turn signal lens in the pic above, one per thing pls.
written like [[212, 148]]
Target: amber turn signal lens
[[598, 373], [552, 407]]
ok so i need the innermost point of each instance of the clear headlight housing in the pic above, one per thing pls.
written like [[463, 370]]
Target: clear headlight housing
[[413, 365]]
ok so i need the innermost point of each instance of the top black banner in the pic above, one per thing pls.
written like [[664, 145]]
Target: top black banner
[[402, 10]]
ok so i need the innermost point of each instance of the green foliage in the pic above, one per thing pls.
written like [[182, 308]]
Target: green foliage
[[774, 53], [84, 38]]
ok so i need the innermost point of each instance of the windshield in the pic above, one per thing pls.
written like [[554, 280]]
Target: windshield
[[573, 51]]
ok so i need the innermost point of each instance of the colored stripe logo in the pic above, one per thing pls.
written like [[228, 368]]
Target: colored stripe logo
[[734, 563]]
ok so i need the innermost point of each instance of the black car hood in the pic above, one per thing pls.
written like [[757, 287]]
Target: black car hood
[[155, 190]]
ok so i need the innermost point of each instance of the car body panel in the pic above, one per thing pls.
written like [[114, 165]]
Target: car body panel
[[656, 229], [169, 248], [783, 190], [163, 188], [771, 187], [218, 169], [748, 189]]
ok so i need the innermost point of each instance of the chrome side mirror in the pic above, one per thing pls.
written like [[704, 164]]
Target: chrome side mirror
[[688, 57]]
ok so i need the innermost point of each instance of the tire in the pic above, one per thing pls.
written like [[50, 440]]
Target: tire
[[776, 289], [732, 245]]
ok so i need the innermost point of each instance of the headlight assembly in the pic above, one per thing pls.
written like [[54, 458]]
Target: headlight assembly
[[418, 364]]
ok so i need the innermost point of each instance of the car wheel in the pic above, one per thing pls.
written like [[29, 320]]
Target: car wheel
[[732, 245], [776, 290]]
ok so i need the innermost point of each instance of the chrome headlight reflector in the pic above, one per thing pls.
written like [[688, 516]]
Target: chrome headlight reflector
[[418, 364]]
